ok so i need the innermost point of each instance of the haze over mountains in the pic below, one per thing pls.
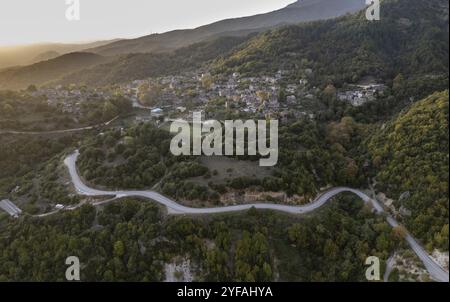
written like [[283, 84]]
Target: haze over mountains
[[300, 11], [343, 50], [29, 54], [42, 72], [21, 77]]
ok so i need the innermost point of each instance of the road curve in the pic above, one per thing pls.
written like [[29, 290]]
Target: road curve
[[436, 272]]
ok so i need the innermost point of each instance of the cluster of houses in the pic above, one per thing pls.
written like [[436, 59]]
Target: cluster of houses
[[180, 95], [70, 99], [358, 95], [251, 94]]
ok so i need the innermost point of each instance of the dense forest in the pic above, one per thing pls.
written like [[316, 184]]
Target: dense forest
[[316, 155], [411, 157], [132, 159], [131, 240]]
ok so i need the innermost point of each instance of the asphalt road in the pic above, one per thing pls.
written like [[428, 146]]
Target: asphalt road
[[436, 272]]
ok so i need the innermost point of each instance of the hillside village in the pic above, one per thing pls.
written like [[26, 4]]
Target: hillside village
[[177, 96]]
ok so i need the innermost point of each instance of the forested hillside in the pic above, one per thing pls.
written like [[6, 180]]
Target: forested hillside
[[132, 240], [139, 66], [50, 70], [300, 11], [411, 38], [411, 155]]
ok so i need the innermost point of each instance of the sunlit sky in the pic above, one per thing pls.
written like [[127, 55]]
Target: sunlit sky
[[35, 21]]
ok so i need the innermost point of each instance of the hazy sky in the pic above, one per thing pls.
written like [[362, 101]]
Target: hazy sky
[[32, 21]]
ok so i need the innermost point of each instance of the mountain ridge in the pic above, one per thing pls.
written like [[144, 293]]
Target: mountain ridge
[[300, 11], [41, 72], [339, 50], [23, 55]]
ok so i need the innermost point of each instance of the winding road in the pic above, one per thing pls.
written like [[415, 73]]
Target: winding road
[[436, 271]]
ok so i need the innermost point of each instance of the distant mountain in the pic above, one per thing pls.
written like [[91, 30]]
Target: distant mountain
[[47, 55], [138, 66], [300, 11], [30, 54], [42, 72]]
